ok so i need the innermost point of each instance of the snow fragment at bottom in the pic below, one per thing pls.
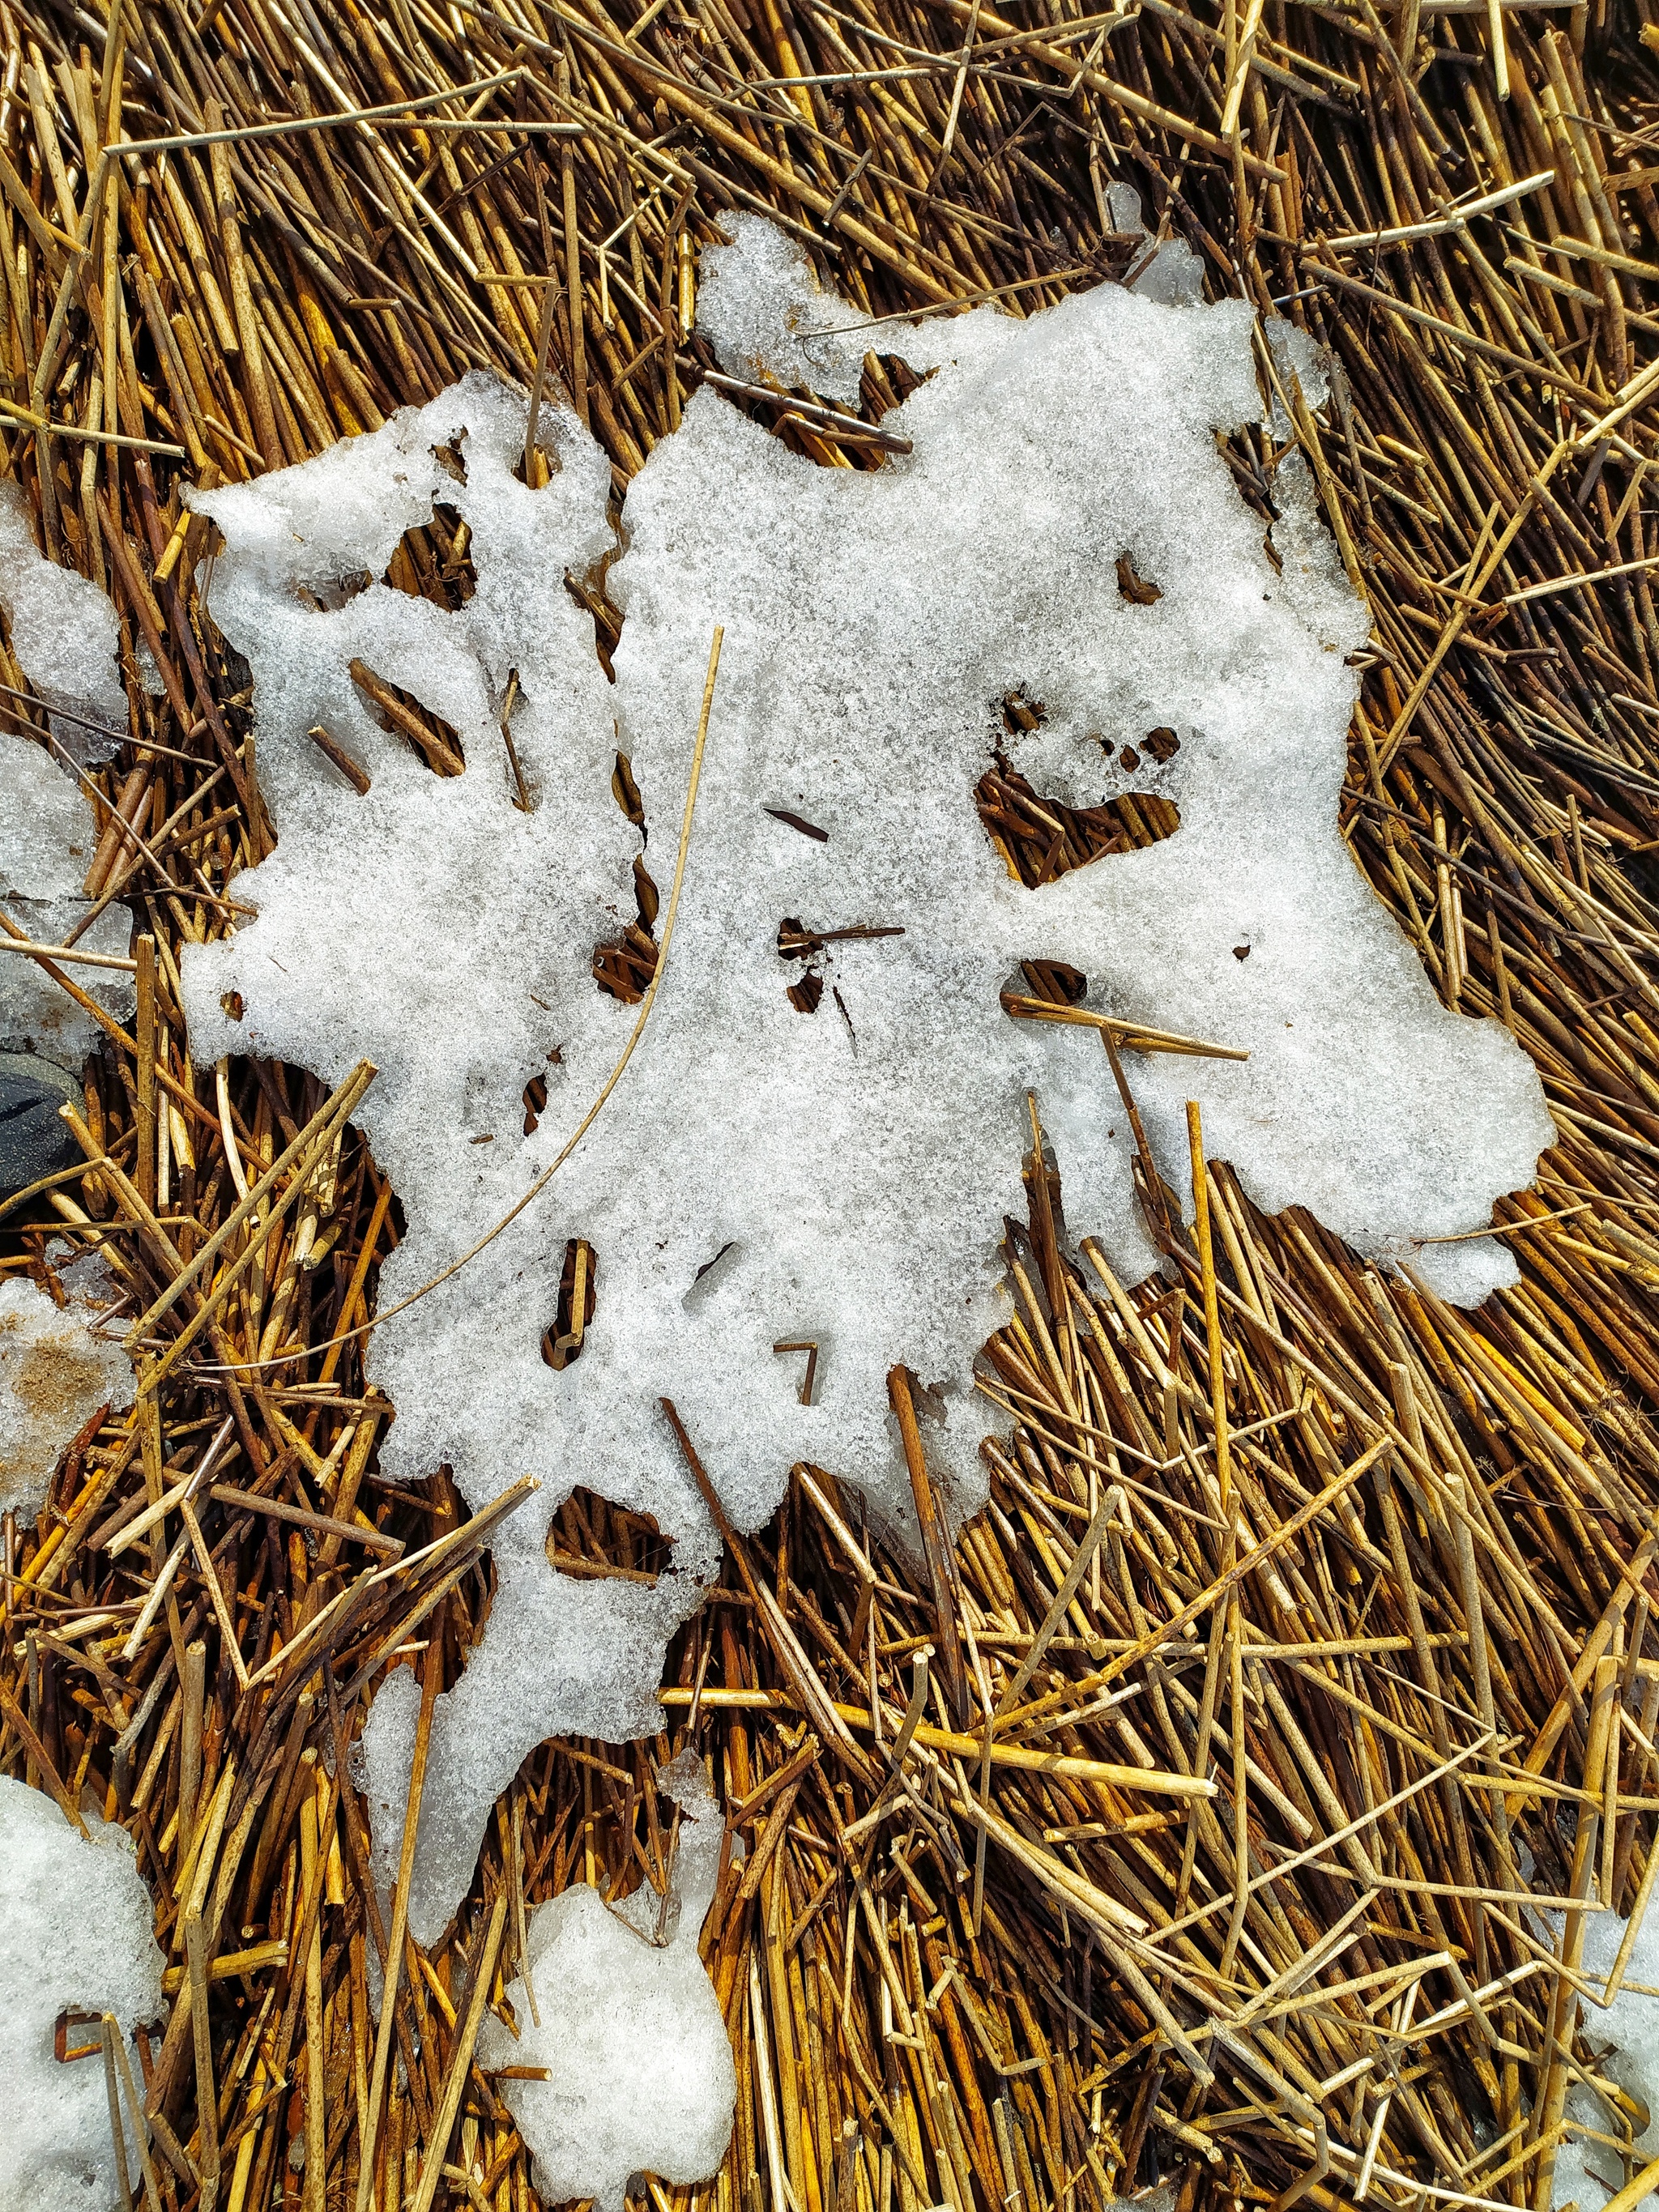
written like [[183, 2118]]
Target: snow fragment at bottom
[[75, 1933], [639, 2077]]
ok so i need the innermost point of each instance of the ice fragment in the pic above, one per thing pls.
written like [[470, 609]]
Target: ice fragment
[[65, 634], [1586, 2172], [640, 2071], [75, 1933], [48, 835]]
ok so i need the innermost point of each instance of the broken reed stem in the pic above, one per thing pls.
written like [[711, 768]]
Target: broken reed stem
[[393, 1964]]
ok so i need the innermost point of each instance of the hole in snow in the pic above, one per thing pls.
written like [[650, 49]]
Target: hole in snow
[[711, 1272], [1021, 713], [433, 560], [450, 457], [623, 965], [544, 464], [805, 995], [327, 599], [594, 1539], [1139, 590], [70, 2037], [1057, 981], [429, 736], [535, 1104], [1162, 744], [626, 792], [561, 1340], [886, 383], [589, 592], [1043, 839]]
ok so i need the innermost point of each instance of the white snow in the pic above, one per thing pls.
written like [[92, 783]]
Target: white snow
[[857, 1161], [640, 2071], [47, 834], [75, 1932], [64, 634], [55, 1373], [1586, 2172]]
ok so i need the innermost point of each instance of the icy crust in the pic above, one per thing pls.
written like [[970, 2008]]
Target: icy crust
[[761, 307], [36, 1014], [640, 2070], [47, 834], [845, 1171], [1586, 2172], [64, 634], [75, 1930], [55, 1373]]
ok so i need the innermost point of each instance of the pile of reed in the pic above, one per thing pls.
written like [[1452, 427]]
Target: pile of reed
[[1191, 1815]]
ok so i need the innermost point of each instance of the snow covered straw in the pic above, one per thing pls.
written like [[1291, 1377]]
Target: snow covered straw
[[1194, 1814]]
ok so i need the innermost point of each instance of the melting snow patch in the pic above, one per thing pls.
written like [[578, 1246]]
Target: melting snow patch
[[640, 2071], [48, 837], [849, 1164], [65, 636], [75, 1933], [55, 1373]]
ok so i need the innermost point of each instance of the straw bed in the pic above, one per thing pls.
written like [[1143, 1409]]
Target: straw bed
[[1181, 1818]]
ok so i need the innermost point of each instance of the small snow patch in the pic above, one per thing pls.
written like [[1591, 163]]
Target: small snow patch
[[640, 2071], [75, 1931]]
